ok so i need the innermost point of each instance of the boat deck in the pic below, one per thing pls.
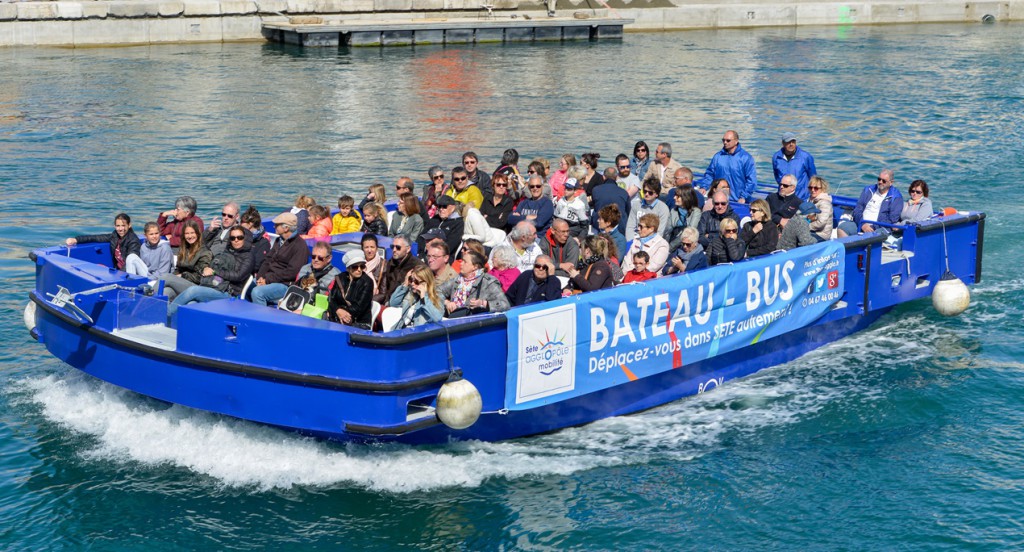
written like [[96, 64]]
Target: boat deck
[[154, 335]]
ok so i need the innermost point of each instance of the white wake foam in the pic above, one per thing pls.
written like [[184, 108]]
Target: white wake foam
[[128, 428]]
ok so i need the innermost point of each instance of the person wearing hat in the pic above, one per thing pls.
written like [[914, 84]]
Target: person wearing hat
[[351, 298], [790, 159], [287, 255], [448, 221], [572, 207], [798, 232]]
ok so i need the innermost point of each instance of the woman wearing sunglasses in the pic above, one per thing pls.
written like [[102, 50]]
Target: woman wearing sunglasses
[[821, 223], [760, 234], [726, 247], [225, 275], [918, 207]]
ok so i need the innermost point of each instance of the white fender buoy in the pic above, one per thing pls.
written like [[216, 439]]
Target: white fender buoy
[[30, 315], [458, 403], [950, 296]]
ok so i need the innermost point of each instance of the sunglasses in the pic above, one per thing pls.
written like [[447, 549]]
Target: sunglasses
[[882, 180], [689, 244], [814, 187], [623, 167], [237, 238], [500, 185], [650, 193], [436, 176], [757, 210], [536, 187], [320, 257], [463, 179], [359, 266], [531, 172], [916, 191], [641, 149], [541, 267], [397, 247], [415, 281], [721, 203], [226, 215], [786, 185], [730, 231]]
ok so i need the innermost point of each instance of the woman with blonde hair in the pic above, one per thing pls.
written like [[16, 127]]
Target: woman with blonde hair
[[301, 212], [821, 223], [557, 180], [418, 299], [726, 247], [760, 234], [377, 194], [407, 221]]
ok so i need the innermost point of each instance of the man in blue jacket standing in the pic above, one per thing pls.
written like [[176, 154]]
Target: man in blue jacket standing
[[735, 165], [880, 203], [790, 159]]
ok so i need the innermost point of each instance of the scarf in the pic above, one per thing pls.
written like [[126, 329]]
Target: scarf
[[685, 257], [371, 269], [461, 294], [584, 263], [645, 241], [118, 256]]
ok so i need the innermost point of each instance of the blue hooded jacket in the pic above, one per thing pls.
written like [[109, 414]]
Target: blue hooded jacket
[[737, 169]]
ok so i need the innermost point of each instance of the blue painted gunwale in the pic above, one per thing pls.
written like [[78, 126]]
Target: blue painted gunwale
[[339, 383]]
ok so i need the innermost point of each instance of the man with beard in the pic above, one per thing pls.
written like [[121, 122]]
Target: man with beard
[[402, 261]]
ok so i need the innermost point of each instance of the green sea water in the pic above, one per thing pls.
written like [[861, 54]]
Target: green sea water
[[905, 436]]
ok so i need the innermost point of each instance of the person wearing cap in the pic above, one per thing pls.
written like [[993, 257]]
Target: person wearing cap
[[784, 202], [733, 164], [448, 221], [319, 267], [791, 159], [572, 208], [287, 255], [798, 232], [536, 208], [351, 298]]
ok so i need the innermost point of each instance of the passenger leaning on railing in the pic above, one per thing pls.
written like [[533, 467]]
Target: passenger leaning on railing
[[418, 299], [124, 246]]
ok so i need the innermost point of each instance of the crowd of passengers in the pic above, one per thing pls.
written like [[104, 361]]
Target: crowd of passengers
[[491, 241]]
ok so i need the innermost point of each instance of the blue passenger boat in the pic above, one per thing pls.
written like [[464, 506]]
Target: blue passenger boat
[[534, 369]]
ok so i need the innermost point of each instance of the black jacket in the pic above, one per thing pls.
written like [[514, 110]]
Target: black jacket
[[783, 207], [761, 243], [353, 296], [726, 250], [128, 244], [453, 230], [707, 228], [496, 215], [234, 266], [606, 194], [519, 293]]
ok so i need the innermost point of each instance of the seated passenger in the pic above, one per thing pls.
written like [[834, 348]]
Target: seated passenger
[[504, 266], [124, 246], [881, 203], [726, 247], [800, 233], [918, 207], [351, 295], [225, 276], [320, 268], [287, 255], [593, 271], [402, 261], [476, 227], [759, 233], [523, 241], [559, 244], [216, 236], [301, 212], [784, 202], [608, 225], [536, 208], [320, 223], [437, 256], [448, 220], [192, 259], [572, 207], [253, 222], [689, 256], [407, 221], [155, 252], [684, 212], [375, 219], [821, 224], [647, 202], [648, 239], [639, 272], [613, 258], [462, 191], [716, 186], [418, 299], [471, 244], [376, 264], [347, 219], [474, 291], [535, 286], [498, 203], [711, 221], [184, 211], [377, 194]]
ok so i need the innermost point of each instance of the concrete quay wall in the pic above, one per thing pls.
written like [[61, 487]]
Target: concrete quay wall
[[124, 22]]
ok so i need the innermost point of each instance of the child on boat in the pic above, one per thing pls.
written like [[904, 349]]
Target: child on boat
[[639, 272], [347, 218], [124, 246]]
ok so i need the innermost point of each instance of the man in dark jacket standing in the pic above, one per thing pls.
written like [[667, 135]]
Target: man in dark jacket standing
[[286, 257], [536, 286]]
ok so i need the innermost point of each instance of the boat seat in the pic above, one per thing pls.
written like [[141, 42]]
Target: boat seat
[[390, 317]]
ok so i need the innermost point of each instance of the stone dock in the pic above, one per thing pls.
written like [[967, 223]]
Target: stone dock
[[133, 22]]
